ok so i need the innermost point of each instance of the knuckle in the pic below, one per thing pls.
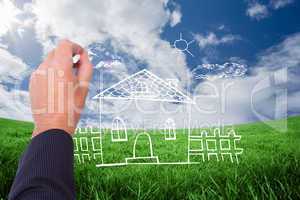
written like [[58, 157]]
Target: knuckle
[[64, 42]]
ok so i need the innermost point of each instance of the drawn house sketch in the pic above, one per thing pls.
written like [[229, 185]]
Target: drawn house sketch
[[151, 103], [140, 127]]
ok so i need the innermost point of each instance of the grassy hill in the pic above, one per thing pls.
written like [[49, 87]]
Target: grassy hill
[[269, 168]]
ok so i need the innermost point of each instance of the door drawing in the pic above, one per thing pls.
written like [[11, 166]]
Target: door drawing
[[142, 150]]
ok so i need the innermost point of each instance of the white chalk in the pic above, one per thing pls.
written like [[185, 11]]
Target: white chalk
[[76, 58]]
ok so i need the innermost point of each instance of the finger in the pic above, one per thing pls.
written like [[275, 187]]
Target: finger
[[68, 48], [85, 68], [65, 51]]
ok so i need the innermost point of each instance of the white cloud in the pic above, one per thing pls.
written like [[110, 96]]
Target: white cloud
[[175, 17], [14, 101], [277, 4], [219, 71], [15, 104], [257, 11], [109, 64], [113, 68], [229, 101], [285, 54], [8, 13], [221, 27], [133, 27], [211, 39], [293, 103], [11, 67], [270, 70], [223, 99], [3, 46]]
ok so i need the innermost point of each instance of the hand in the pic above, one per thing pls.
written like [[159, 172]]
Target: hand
[[57, 91]]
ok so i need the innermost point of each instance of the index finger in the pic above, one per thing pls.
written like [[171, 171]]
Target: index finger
[[66, 50]]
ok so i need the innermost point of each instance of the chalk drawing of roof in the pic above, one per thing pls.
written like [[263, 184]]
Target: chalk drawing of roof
[[144, 85]]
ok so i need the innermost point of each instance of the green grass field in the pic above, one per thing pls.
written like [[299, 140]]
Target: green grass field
[[269, 168]]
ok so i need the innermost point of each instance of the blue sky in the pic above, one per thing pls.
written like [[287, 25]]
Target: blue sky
[[260, 37], [256, 35]]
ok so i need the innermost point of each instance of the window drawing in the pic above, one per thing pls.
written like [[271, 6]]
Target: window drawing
[[87, 146], [170, 130], [118, 130]]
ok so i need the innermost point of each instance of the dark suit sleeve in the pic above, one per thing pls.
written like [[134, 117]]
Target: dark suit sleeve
[[46, 169]]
